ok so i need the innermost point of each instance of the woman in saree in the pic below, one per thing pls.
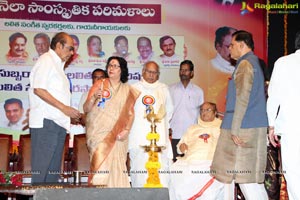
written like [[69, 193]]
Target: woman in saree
[[110, 114]]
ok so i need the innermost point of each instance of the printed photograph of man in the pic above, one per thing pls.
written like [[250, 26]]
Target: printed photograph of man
[[122, 49], [222, 61], [76, 57], [169, 57], [144, 47], [41, 42], [14, 113], [221, 67], [121, 46], [17, 49]]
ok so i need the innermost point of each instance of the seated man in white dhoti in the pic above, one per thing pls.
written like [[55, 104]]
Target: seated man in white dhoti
[[190, 174]]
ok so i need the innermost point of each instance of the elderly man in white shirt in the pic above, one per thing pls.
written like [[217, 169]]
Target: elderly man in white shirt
[[155, 94], [190, 175], [50, 110], [283, 110]]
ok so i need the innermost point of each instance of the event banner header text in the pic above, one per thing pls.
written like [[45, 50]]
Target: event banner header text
[[81, 12]]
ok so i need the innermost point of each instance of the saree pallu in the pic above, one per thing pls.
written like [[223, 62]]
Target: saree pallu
[[104, 123]]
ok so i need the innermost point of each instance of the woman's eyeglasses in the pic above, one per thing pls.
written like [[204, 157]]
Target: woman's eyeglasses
[[113, 66]]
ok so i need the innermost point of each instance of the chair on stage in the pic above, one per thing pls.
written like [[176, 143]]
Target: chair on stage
[[5, 149], [81, 160], [24, 163]]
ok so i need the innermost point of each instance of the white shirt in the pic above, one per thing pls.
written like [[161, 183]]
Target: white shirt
[[141, 126], [221, 64], [16, 126], [187, 103], [284, 92], [48, 73]]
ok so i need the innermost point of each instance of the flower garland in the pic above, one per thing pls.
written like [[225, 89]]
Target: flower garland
[[152, 136], [152, 167], [10, 178]]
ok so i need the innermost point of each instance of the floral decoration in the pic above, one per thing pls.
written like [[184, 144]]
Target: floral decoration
[[152, 167], [152, 136], [10, 178]]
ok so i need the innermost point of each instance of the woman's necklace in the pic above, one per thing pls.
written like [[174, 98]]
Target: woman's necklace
[[115, 90]]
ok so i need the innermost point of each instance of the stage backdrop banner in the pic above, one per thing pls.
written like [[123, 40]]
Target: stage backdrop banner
[[192, 25]]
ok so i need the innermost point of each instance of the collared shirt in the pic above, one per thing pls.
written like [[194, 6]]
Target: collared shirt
[[187, 103], [48, 73], [16, 126], [283, 91], [159, 93]]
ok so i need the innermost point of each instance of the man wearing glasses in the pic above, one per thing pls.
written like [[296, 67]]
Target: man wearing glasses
[[187, 98], [156, 95], [241, 152], [50, 110]]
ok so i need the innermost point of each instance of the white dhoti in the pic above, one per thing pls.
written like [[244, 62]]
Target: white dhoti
[[187, 178]]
